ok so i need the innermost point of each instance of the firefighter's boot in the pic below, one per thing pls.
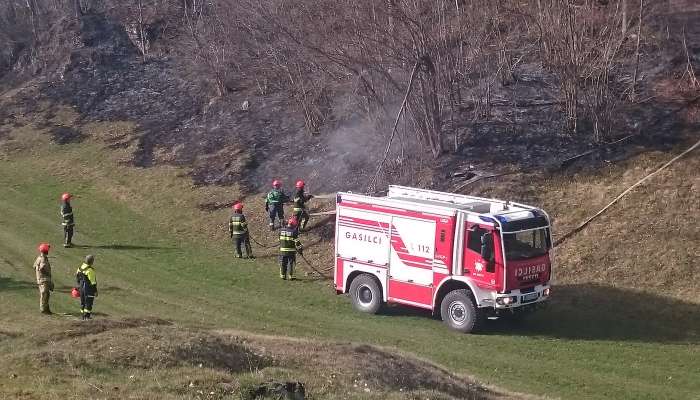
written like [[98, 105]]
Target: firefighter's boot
[[282, 275]]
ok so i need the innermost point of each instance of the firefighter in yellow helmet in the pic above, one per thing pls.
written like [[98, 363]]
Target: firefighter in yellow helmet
[[289, 247], [43, 277], [87, 285]]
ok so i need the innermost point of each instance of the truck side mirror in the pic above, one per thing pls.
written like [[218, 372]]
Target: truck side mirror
[[487, 246]]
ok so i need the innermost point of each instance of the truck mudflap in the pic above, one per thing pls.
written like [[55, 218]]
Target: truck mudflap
[[514, 299]]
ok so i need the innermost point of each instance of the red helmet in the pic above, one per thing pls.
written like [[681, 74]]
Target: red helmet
[[44, 248], [75, 293], [300, 184], [276, 184], [238, 207], [66, 196], [292, 222]]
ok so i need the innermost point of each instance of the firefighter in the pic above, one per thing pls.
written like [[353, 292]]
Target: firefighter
[[87, 285], [43, 277], [68, 221], [300, 199], [238, 229], [289, 247], [274, 203]]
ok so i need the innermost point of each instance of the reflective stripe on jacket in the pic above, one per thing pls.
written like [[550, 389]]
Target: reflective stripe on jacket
[[300, 200], [289, 241], [237, 225], [89, 272], [67, 214]]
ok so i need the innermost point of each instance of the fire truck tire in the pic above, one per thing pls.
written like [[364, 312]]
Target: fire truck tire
[[366, 294], [460, 313]]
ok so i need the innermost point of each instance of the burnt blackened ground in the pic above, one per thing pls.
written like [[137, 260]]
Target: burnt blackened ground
[[104, 78]]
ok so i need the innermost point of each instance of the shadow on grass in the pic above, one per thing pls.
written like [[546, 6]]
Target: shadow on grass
[[594, 312], [120, 247], [597, 312], [12, 284]]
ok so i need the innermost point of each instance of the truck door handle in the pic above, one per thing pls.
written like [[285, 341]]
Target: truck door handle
[[410, 280]]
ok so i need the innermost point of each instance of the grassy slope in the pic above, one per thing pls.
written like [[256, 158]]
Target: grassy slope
[[574, 350]]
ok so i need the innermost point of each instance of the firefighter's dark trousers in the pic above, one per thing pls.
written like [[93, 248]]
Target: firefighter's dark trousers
[[287, 262], [276, 210], [68, 234], [240, 241], [87, 298], [302, 217]]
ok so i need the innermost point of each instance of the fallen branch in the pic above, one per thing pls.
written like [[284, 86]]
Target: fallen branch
[[569, 160], [621, 195]]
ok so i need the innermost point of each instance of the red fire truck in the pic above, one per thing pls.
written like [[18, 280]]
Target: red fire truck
[[467, 258]]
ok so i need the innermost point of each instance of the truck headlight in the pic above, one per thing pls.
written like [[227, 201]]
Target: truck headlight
[[545, 292], [506, 300]]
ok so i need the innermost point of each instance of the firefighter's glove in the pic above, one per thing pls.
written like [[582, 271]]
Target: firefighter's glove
[[51, 286], [267, 207]]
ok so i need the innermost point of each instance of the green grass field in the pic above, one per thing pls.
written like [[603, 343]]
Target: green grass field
[[594, 342]]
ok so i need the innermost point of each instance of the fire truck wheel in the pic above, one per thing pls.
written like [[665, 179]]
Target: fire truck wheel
[[459, 312], [366, 294]]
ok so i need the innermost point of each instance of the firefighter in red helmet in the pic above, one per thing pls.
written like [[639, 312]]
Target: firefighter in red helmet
[[289, 247], [238, 230], [68, 221], [300, 211], [42, 267], [274, 203]]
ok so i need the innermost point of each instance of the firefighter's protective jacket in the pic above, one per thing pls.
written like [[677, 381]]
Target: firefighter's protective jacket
[[289, 241], [237, 225], [85, 276], [67, 214], [275, 197], [300, 200], [43, 269]]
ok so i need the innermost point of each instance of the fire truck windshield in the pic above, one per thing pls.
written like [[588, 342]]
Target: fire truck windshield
[[528, 244]]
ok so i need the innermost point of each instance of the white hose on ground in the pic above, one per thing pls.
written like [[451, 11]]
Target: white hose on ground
[[621, 195]]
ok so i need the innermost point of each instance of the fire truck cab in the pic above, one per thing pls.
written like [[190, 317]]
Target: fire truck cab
[[466, 258]]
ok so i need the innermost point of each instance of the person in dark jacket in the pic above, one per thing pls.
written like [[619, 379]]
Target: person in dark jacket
[[87, 285], [67, 220], [300, 211], [289, 247], [238, 230]]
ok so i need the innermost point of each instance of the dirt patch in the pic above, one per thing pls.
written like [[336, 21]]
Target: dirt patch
[[224, 363], [371, 369], [219, 353], [214, 206], [66, 135], [4, 335], [101, 325]]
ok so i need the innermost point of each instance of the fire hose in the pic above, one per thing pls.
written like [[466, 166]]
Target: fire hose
[[260, 244], [312, 267]]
